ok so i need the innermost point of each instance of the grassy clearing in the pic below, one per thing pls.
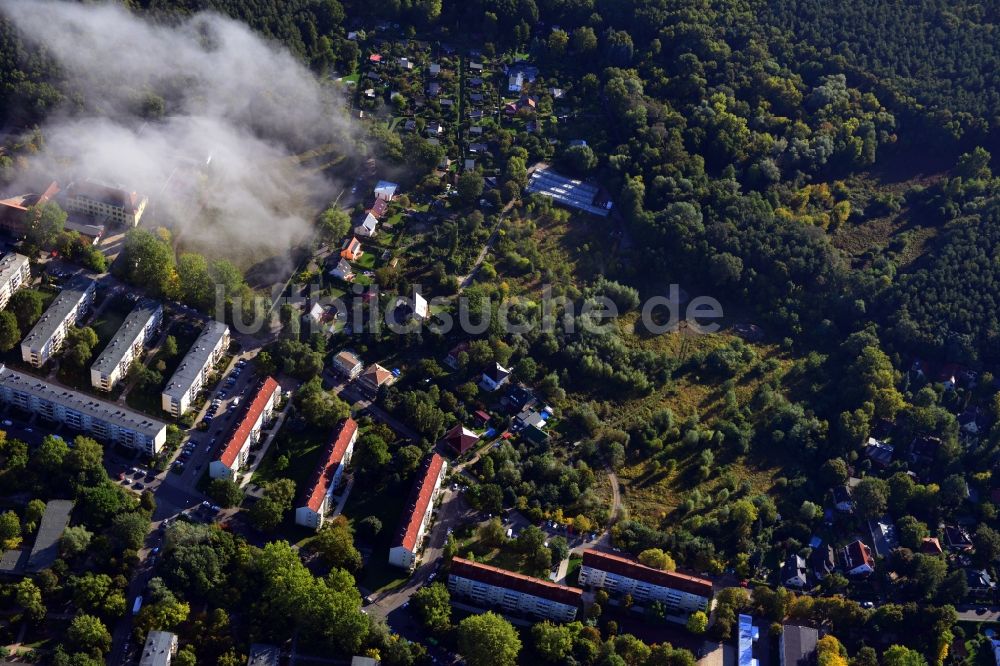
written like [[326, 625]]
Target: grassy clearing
[[303, 447], [385, 503]]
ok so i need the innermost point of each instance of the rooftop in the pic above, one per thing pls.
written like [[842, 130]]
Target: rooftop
[[798, 644], [628, 567], [567, 191], [262, 654], [335, 451], [416, 505], [50, 530], [102, 410], [491, 575], [195, 360], [128, 333], [158, 649], [11, 265], [113, 196], [70, 297], [247, 421]]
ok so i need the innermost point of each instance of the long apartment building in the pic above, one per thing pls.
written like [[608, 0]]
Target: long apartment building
[[316, 501], [66, 310], [104, 202], [15, 272], [191, 375], [131, 338], [247, 432], [417, 516], [100, 419], [490, 587], [680, 593]]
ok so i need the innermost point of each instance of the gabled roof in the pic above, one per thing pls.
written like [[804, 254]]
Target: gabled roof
[[242, 431], [858, 554], [497, 577], [334, 457], [378, 208], [496, 372], [369, 223], [931, 546], [376, 374], [632, 569], [416, 506]]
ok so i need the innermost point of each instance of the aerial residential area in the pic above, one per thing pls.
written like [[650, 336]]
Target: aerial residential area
[[491, 333]]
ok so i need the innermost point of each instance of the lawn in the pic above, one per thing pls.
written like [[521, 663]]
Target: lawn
[[366, 261], [385, 503], [109, 321], [303, 445]]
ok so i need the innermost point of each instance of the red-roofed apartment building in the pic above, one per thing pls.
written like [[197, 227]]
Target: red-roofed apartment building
[[14, 211], [490, 587], [417, 516], [316, 502], [680, 593], [247, 432]]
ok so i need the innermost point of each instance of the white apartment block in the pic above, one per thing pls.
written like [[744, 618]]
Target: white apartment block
[[247, 432], [100, 419], [329, 474], [680, 593], [489, 587], [66, 310], [418, 514], [159, 649], [15, 272], [105, 203], [191, 375], [126, 346]]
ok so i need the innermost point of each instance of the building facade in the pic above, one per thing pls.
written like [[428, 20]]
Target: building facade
[[131, 338], [680, 593], [100, 419], [66, 310], [419, 511], [490, 587], [328, 476], [247, 432], [15, 272], [103, 202], [191, 375]]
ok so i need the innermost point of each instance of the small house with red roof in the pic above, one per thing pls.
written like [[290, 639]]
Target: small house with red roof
[[327, 477], [460, 439], [352, 250]]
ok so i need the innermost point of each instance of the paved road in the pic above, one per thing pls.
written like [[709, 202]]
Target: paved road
[[452, 513], [348, 392], [979, 614]]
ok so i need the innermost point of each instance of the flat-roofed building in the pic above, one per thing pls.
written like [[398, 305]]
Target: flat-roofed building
[[417, 516], [105, 202], [262, 654], [100, 419], [190, 376], [569, 192], [247, 432], [159, 649], [127, 344], [15, 272], [680, 593], [330, 472], [66, 310], [348, 364], [489, 586]]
